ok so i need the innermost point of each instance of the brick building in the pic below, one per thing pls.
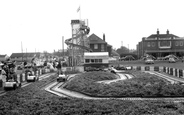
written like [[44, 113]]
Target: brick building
[[160, 45], [97, 44]]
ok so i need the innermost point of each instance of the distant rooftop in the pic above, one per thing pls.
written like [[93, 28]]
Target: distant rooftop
[[167, 35], [95, 39]]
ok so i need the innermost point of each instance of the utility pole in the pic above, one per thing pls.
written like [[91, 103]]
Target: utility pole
[[22, 51], [26, 54], [63, 46]]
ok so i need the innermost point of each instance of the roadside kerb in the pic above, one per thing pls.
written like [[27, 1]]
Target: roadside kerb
[[168, 70]]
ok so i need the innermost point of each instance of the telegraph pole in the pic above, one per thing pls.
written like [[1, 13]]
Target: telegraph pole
[[63, 45], [22, 50]]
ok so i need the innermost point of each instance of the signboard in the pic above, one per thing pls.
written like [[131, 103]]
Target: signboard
[[164, 38]]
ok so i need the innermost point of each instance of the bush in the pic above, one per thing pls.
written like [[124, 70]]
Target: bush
[[30, 100], [143, 85]]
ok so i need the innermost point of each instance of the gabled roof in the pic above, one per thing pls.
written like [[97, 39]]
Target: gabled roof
[[13, 55], [95, 39], [2, 56], [162, 36]]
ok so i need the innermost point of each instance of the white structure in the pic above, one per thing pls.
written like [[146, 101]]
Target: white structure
[[96, 59]]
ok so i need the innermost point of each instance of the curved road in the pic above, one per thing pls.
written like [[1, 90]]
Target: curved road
[[57, 89]]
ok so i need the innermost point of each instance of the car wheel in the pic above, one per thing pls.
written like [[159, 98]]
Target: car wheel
[[34, 79], [14, 87], [20, 85], [5, 88]]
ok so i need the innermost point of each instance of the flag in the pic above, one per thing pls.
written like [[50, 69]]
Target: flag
[[78, 9]]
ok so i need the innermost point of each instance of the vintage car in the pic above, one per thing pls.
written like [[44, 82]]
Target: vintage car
[[149, 61], [172, 60], [32, 77], [62, 78], [11, 84]]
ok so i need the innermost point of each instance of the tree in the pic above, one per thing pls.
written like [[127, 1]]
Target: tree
[[122, 50]]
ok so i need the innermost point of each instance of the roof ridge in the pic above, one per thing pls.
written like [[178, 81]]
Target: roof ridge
[[96, 39]]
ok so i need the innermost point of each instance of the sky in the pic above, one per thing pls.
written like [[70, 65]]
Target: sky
[[40, 24]]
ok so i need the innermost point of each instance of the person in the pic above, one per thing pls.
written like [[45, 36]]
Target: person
[[59, 68], [25, 63], [182, 59], [45, 63], [35, 68], [12, 74], [54, 64], [2, 74], [6, 69]]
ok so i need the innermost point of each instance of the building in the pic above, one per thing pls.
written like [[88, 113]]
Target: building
[[161, 45], [96, 59], [97, 44], [3, 57], [25, 56]]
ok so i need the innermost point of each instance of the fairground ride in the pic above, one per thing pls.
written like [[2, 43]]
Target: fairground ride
[[79, 43]]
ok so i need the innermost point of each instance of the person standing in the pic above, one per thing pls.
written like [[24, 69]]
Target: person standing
[[59, 68], [2, 74]]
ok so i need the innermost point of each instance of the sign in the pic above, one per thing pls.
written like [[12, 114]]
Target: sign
[[165, 38]]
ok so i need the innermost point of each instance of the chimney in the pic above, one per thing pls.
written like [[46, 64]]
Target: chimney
[[103, 37], [157, 31], [167, 31]]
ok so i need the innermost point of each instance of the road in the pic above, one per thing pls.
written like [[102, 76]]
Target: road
[[57, 89], [24, 84]]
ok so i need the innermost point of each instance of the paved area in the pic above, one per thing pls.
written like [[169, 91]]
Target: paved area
[[24, 84], [58, 90], [121, 77]]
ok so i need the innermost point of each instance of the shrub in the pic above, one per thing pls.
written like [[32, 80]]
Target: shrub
[[142, 85]]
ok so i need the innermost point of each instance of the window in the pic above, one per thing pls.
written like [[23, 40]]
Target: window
[[92, 60], [87, 60], [176, 43], [148, 44], [181, 43], [95, 46], [96, 60], [100, 60], [102, 47], [153, 44]]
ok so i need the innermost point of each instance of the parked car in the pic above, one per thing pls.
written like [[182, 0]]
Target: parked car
[[120, 68], [149, 61], [172, 60]]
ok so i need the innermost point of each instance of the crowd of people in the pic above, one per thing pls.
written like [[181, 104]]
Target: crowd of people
[[8, 68]]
